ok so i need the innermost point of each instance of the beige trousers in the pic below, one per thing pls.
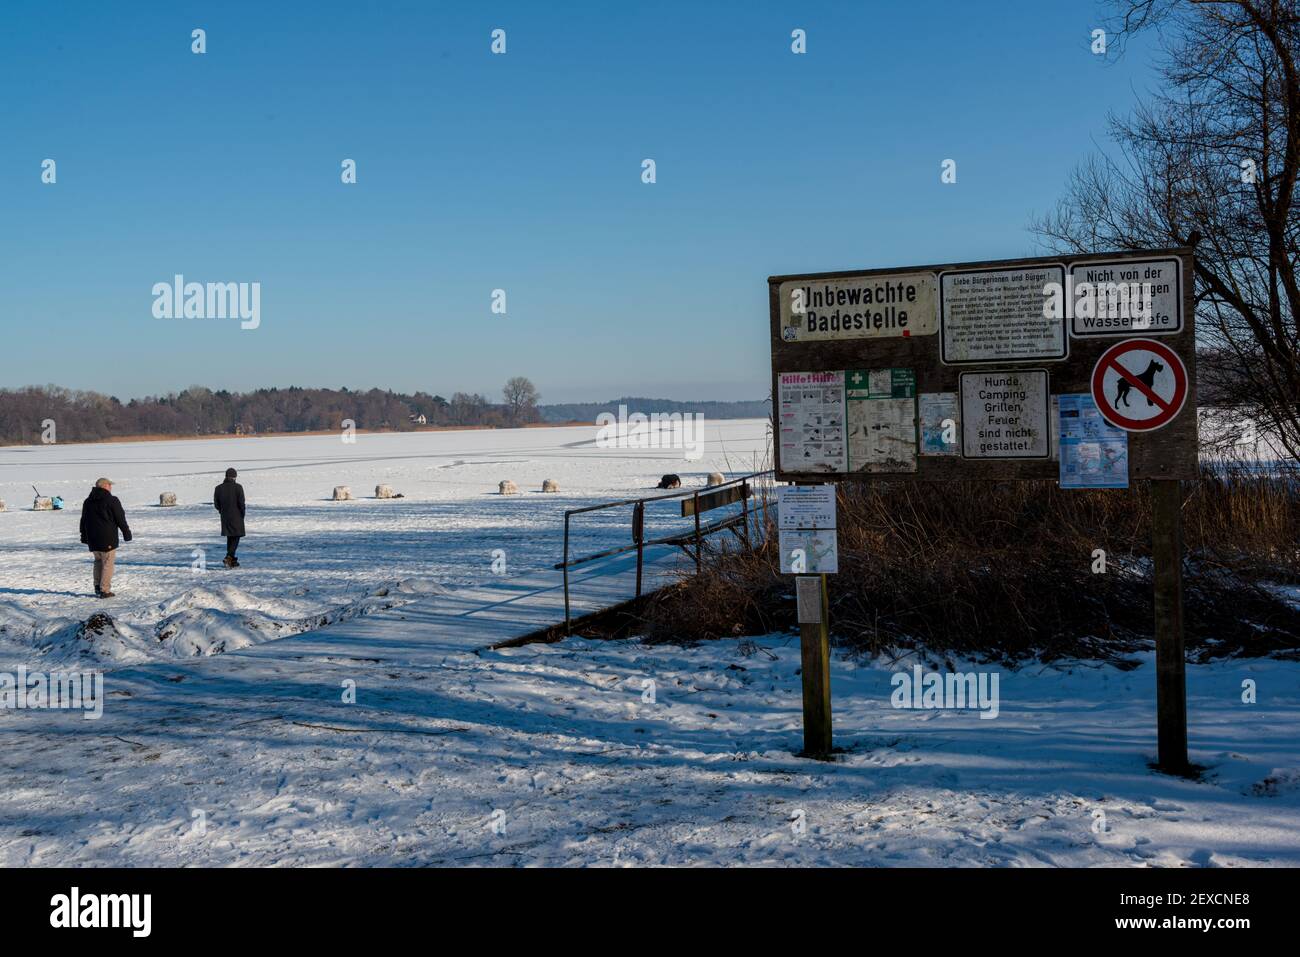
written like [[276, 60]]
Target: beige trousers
[[104, 570]]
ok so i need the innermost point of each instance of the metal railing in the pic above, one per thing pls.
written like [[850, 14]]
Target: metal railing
[[721, 494]]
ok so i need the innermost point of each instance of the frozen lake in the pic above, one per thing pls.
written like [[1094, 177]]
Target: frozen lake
[[305, 556]]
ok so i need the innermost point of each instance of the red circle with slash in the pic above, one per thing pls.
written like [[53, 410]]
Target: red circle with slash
[[1139, 385]]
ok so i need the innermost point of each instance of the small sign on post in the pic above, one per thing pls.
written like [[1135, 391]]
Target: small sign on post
[[806, 528], [815, 661], [809, 549], [808, 599]]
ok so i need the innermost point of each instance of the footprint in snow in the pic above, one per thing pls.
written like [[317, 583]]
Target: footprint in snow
[[1166, 807]]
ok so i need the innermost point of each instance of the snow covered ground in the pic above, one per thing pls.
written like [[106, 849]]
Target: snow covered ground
[[565, 755], [393, 736]]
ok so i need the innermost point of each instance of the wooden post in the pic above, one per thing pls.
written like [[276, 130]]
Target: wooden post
[[696, 502], [1171, 677], [638, 535], [744, 513], [814, 639], [566, 574]]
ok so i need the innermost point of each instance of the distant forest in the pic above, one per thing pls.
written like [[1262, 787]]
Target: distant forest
[[587, 411], [80, 416]]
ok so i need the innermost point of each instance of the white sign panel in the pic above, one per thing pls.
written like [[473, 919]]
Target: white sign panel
[[997, 315], [858, 307], [806, 529], [805, 506], [812, 421], [1123, 296], [1004, 415], [808, 600]]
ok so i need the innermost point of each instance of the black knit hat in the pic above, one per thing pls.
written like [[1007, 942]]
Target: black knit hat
[[231, 473]]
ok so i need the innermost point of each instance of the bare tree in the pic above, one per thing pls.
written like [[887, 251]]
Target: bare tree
[[467, 409], [521, 400], [1212, 162]]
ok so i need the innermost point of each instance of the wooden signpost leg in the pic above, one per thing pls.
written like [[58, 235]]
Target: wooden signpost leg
[[1171, 678], [815, 642]]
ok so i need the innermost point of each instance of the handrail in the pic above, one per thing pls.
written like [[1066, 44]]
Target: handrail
[[666, 540], [687, 493], [638, 517]]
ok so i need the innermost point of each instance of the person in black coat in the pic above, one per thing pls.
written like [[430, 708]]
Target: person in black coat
[[101, 519], [229, 501]]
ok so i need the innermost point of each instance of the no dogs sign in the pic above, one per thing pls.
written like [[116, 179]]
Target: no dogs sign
[[1139, 385]]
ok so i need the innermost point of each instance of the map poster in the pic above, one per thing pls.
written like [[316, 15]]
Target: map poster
[[808, 551], [812, 421], [880, 409], [940, 424], [1094, 454]]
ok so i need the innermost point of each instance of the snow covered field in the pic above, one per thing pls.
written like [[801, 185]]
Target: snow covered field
[[307, 559], [394, 737]]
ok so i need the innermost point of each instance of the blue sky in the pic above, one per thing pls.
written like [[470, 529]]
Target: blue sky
[[520, 172]]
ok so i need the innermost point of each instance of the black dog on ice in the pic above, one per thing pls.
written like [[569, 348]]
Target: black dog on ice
[[670, 481]]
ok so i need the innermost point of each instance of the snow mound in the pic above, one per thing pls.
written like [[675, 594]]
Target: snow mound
[[1279, 781], [205, 621], [98, 639]]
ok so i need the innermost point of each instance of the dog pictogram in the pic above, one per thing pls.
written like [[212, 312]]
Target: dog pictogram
[[1147, 378]]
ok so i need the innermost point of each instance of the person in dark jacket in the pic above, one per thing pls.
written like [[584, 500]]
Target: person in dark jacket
[[229, 501], [101, 519]]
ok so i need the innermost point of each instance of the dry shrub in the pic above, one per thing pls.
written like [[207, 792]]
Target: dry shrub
[[1005, 571]]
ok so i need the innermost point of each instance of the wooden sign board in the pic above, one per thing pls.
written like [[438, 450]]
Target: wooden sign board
[[953, 371]]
